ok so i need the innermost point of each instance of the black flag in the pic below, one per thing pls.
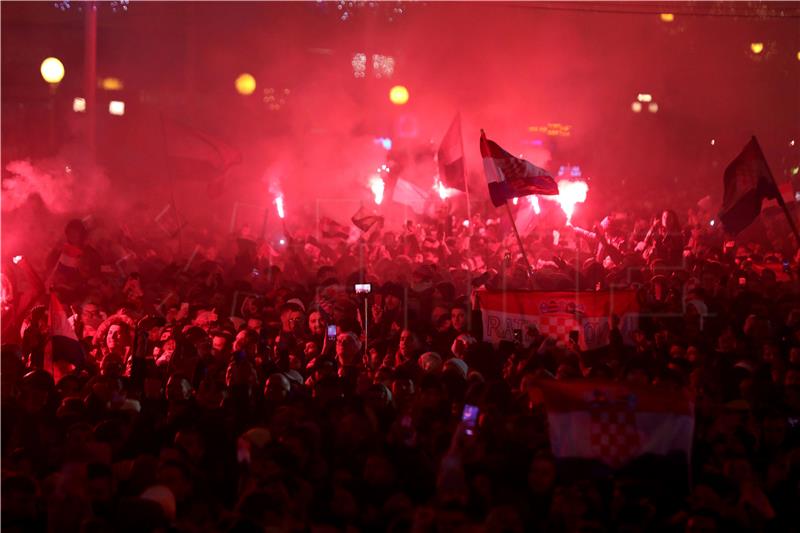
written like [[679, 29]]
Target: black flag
[[748, 182]]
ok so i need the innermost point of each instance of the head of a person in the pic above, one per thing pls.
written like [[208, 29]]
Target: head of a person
[[310, 350], [91, 314], [292, 318], [220, 345], [317, 323], [392, 296], [112, 365], [670, 220], [440, 317], [458, 318], [408, 345], [277, 388], [347, 349], [118, 336]]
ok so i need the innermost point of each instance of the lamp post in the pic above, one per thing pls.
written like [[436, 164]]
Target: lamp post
[[90, 74], [52, 70]]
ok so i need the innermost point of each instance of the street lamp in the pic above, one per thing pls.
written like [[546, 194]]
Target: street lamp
[[245, 84], [398, 95], [52, 70]]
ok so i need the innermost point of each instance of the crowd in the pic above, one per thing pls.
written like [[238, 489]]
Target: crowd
[[249, 386]]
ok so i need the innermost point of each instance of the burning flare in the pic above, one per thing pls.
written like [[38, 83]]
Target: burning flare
[[377, 186], [442, 190], [569, 194], [534, 200], [279, 206]]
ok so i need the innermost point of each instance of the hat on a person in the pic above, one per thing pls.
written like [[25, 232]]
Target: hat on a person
[[163, 496], [430, 362], [457, 365], [297, 302]]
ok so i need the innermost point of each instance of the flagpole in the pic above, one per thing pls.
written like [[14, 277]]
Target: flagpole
[[169, 169], [779, 196], [788, 217], [464, 169], [519, 240]]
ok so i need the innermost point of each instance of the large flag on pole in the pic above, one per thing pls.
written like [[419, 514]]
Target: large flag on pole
[[616, 422], [748, 181], [451, 157], [510, 176]]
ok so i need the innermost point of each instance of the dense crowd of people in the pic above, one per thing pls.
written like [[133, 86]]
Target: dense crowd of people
[[250, 387]]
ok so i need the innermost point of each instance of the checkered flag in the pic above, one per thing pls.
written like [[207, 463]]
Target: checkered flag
[[616, 422], [510, 177]]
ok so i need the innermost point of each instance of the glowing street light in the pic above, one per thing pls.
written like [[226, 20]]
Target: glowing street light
[[116, 107], [111, 84], [652, 107], [398, 95], [756, 48], [667, 17], [52, 70], [245, 84], [644, 97], [79, 104], [636, 107]]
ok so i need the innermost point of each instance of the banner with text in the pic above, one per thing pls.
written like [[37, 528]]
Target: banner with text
[[556, 314]]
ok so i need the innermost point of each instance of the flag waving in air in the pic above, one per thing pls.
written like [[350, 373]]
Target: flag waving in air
[[365, 218], [510, 176], [451, 157], [748, 182]]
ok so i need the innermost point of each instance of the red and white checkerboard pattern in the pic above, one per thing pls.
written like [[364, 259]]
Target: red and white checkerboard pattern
[[557, 326], [613, 434]]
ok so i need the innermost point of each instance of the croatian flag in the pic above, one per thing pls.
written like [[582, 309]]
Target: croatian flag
[[617, 422], [451, 158], [64, 352], [510, 177]]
